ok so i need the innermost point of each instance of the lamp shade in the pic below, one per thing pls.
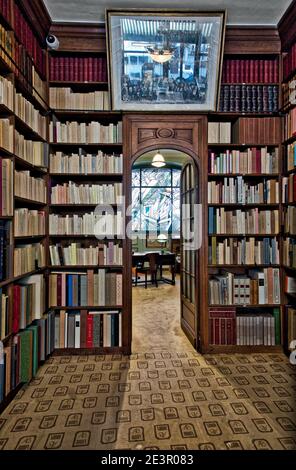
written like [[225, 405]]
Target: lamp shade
[[162, 238], [160, 55], [158, 160]]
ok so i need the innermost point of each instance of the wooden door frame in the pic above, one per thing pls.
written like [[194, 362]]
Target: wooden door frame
[[187, 133]]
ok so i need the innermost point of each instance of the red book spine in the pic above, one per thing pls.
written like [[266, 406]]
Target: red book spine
[[89, 331], [217, 331], [91, 69], [256, 71], [251, 71], [232, 71], [223, 332], [16, 309], [62, 69], [266, 70], [81, 68], [76, 69], [227, 71], [229, 333], [86, 66], [59, 290]]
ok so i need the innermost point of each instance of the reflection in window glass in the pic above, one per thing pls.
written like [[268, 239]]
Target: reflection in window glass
[[156, 204]]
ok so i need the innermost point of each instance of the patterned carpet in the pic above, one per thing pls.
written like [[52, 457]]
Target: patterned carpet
[[168, 398]]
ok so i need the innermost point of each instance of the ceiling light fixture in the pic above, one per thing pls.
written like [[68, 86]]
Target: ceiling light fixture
[[158, 160], [161, 55]]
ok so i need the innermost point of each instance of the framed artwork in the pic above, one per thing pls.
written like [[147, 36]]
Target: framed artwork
[[165, 60], [154, 243]]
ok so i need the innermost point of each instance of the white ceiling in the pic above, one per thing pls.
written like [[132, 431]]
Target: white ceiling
[[240, 12]]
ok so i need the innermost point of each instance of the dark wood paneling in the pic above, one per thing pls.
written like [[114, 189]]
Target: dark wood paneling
[[38, 16], [188, 134], [77, 37], [252, 40], [287, 26], [238, 39]]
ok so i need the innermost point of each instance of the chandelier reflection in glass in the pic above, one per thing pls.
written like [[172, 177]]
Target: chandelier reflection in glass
[[165, 52]]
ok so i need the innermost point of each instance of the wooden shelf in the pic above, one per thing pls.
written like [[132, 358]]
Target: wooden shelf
[[232, 349], [23, 164], [89, 307], [254, 235], [64, 84], [234, 146], [241, 205], [18, 278], [29, 237], [79, 144], [6, 217], [287, 108], [86, 113], [290, 268], [289, 204], [4, 67], [235, 114], [83, 237], [5, 22], [83, 266], [243, 266], [26, 130], [87, 175], [5, 110], [29, 202], [245, 306], [76, 206], [6, 153], [291, 75], [290, 172], [27, 90], [244, 175], [290, 140]]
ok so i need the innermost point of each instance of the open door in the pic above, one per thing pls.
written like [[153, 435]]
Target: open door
[[189, 254]]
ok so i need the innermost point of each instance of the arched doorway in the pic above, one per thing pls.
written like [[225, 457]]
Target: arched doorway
[[165, 228], [186, 134]]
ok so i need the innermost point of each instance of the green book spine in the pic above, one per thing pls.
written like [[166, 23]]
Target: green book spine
[[26, 342], [277, 319]]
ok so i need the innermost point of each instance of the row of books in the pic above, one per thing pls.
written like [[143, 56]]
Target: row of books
[[288, 92], [85, 289], [290, 220], [29, 187], [6, 92], [6, 250], [26, 36], [29, 222], [289, 188], [33, 152], [251, 221], [66, 98], [290, 124], [6, 187], [252, 160], [87, 224], [289, 252], [28, 302], [250, 71], [78, 69], [28, 258], [291, 157], [4, 314], [109, 253], [71, 193], [244, 251], [19, 361], [88, 329], [290, 321], [85, 163], [228, 326], [219, 132], [6, 134], [20, 62], [256, 287], [289, 62], [290, 285], [238, 191], [83, 133], [5, 9], [249, 98], [31, 116], [259, 130]]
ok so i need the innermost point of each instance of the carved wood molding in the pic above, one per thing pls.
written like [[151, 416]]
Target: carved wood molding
[[252, 39], [80, 37], [287, 26]]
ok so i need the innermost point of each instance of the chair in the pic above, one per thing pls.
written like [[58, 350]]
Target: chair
[[152, 269]]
